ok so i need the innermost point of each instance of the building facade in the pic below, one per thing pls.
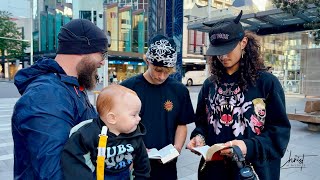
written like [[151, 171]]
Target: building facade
[[47, 18], [125, 21], [287, 47], [294, 58], [195, 42]]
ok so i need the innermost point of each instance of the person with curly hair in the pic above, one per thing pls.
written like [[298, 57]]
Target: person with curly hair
[[240, 104]]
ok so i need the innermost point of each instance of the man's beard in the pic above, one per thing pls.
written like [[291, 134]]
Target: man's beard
[[87, 73]]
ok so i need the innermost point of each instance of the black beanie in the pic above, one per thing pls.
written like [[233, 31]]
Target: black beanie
[[81, 36]]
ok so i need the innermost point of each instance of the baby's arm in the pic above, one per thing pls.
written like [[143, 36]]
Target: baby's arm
[[73, 159], [141, 164]]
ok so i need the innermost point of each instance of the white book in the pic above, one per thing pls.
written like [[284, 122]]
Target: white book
[[165, 154]]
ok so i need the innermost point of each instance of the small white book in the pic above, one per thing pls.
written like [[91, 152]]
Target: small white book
[[165, 154]]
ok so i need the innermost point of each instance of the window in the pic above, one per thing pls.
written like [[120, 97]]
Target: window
[[87, 15], [196, 41]]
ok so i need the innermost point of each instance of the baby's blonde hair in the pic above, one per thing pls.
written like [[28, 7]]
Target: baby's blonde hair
[[107, 97]]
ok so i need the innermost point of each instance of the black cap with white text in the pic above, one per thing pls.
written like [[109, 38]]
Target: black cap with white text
[[224, 36]]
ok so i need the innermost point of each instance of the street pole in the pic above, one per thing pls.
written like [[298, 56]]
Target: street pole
[[31, 32], [207, 73], [105, 67]]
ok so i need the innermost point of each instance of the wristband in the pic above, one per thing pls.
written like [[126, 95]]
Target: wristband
[[202, 138]]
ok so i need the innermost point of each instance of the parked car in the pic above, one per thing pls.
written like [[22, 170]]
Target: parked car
[[194, 78]]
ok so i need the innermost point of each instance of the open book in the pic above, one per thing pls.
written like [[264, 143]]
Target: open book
[[165, 154], [211, 153]]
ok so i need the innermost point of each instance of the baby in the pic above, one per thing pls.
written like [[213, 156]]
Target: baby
[[118, 108]]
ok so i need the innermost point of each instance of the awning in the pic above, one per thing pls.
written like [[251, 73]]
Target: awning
[[264, 22]]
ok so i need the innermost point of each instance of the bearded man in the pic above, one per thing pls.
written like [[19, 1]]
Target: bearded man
[[54, 99]]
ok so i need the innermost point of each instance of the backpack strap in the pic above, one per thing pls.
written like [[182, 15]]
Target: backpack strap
[[246, 172], [78, 126], [238, 156]]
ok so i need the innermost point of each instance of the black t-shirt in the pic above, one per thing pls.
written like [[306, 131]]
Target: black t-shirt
[[164, 107]]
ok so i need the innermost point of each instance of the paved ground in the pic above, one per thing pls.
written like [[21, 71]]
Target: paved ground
[[304, 145]]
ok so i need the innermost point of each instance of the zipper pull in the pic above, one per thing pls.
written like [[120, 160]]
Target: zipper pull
[[203, 166], [75, 89]]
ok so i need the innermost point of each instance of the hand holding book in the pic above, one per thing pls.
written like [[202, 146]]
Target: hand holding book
[[229, 144], [216, 151], [211, 153], [196, 141]]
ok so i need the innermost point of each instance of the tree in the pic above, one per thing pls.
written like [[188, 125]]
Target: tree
[[295, 7], [10, 39]]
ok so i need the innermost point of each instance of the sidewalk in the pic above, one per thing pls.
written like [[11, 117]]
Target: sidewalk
[[5, 80]]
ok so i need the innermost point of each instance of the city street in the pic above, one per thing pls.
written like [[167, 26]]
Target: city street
[[302, 156]]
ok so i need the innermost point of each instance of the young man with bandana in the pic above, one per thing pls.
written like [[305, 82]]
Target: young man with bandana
[[54, 99], [166, 104]]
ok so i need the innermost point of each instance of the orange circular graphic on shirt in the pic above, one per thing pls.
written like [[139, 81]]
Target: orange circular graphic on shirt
[[168, 105]]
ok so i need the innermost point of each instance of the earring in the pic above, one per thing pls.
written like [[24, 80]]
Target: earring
[[242, 53]]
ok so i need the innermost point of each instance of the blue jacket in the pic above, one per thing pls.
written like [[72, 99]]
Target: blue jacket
[[50, 105]]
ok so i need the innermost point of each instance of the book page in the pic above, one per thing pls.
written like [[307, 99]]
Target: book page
[[166, 150], [213, 152], [202, 150], [168, 153], [154, 154], [210, 153]]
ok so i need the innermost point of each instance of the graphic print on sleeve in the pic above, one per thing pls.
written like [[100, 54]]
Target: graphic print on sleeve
[[229, 109], [257, 119]]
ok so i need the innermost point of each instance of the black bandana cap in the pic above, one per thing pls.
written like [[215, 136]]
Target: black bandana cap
[[162, 51]]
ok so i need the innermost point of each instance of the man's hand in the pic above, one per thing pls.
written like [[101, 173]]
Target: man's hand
[[195, 142]]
